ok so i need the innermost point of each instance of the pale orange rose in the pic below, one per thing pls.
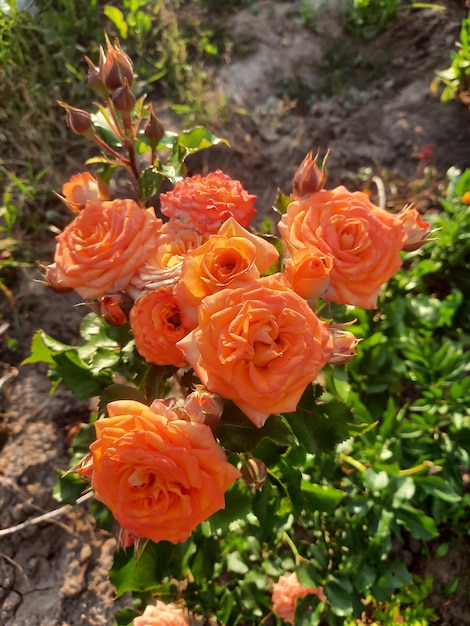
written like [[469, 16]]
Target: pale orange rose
[[161, 614], [102, 248], [416, 229], [364, 241], [204, 203], [163, 267], [156, 324], [232, 255], [259, 345], [285, 594], [81, 188], [159, 475], [307, 272]]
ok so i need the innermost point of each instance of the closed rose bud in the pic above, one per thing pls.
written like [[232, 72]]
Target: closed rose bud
[[416, 229], [203, 406], [112, 309], [254, 473], [309, 178], [94, 78], [154, 129], [123, 98], [78, 120], [115, 66], [344, 344]]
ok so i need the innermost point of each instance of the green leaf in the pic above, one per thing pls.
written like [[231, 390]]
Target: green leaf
[[237, 433], [44, 348], [281, 202], [150, 182], [321, 497], [146, 574], [320, 427], [117, 18], [237, 507], [420, 525], [78, 377], [198, 138], [69, 488], [339, 592]]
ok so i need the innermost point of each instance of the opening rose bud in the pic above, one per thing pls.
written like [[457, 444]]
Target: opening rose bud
[[416, 229], [203, 406], [307, 272], [344, 345], [81, 188]]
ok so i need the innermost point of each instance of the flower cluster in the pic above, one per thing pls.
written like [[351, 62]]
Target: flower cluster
[[204, 294]]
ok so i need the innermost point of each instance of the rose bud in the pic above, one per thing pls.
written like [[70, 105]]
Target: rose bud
[[123, 98], [344, 344], [203, 406], [154, 129], [416, 229], [78, 120], [115, 66], [309, 178], [112, 310], [254, 473], [94, 78], [307, 272]]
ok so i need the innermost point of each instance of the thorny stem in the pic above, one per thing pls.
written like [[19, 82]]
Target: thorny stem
[[102, 144], [44, 517]]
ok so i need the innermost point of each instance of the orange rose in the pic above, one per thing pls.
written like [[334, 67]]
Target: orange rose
[[232, 255], [156, 324], [100, 251], [161, 614], [364, 241], [81, 188], [259, 345], [159, 475], [203, 203], [285, 594], [307, 272]]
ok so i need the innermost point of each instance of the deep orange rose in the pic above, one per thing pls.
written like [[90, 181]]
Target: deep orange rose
[[161, 614], [259, 345], [204, 203], [100, 251], [159, 475], [232, 255], [285, 594], [82, 188], [156, 324], [364, 241]]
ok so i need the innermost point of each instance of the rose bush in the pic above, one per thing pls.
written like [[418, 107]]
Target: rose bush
[[160, 475]]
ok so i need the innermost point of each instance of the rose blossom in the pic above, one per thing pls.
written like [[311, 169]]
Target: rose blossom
[[161, 614], [233, 254], [81, 188], [259, 345], [156, 324], [101, 249], [285, 594], [159, 475], [204, 203], [364, 241]]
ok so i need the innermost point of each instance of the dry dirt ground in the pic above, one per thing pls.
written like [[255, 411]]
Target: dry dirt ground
[[380, 116]]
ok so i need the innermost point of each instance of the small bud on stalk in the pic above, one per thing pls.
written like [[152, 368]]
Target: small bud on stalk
[[203, 406], [309, 178], [115, 66], [94, 78], [254, 473], [417, 231], [154, 129], [344, 344], [78, 120], [124, 99]]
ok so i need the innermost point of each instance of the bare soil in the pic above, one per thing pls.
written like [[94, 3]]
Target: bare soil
[[379, 114]]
